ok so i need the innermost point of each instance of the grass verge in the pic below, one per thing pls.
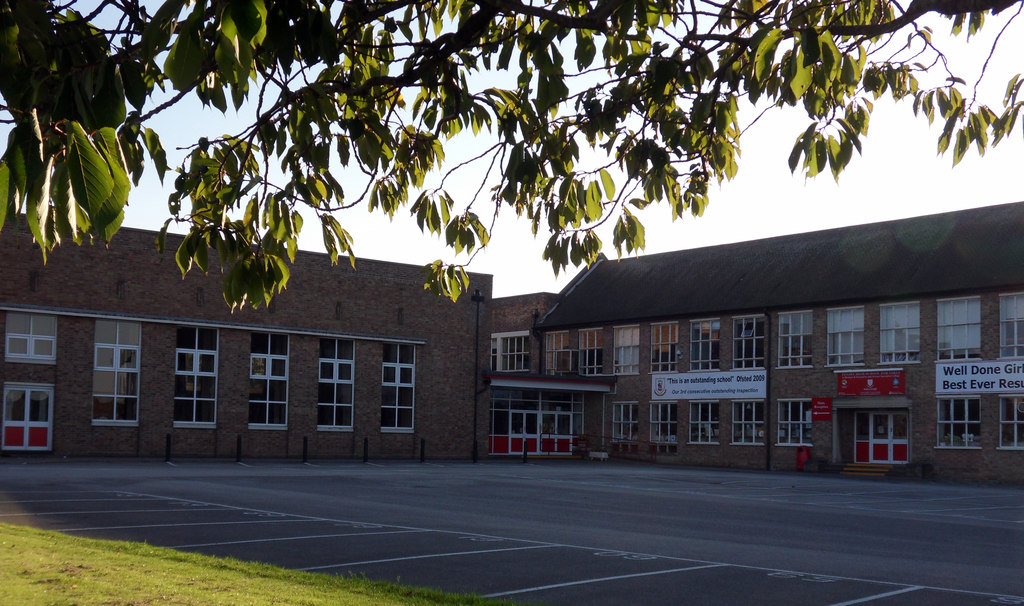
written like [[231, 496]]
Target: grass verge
[[46, 567]]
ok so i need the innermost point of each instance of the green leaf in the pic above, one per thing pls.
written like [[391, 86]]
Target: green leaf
[[609, 184], [91, 181], [764, 58], [185, 59]]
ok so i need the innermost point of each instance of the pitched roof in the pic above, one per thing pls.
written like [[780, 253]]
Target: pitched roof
[[960, 251]]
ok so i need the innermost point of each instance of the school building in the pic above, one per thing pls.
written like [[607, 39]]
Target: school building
[[888, 347]]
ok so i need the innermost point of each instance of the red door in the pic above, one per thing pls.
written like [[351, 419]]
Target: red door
[[27, 417]]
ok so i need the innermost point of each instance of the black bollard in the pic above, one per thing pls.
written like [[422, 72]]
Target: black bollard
[[524, 450], [167, 449], [423, 450], [305, 449], [366, 450], [238, 449]]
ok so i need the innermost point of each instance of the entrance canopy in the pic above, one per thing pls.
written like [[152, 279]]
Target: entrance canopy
[[550, 382]]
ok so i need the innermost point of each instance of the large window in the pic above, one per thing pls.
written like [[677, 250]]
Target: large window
[[959, 323], [795, 422], [115, 377], [959, 422], [268, 379], [846, 336], [334, 399], [558, 356], [510, 352], [591, 351], [627, 350], [625, 425], [398, 386], [664, 423], [900, 332], [31, 337], [1011, 422], [704, 422], [664, 339], [795, 330], [704, 336], [748, 342], [195, 376], [748, 422], [1011, 326]]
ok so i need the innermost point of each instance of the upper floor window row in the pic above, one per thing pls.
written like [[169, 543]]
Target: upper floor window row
[[31, 337], [510, 352]]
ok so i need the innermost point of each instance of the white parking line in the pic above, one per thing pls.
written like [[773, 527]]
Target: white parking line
[[271, 540], [108, 511], [878, 596], [427, 556], [92, 528], [600, 580]]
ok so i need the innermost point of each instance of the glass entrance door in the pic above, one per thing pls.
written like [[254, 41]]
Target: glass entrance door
[[881, 437], [27, 417]]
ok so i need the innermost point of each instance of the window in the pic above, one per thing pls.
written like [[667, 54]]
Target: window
[[510, 352], [195, 376], [846, 336], [748, 422], [748, 342], [664, 424], [624, 421], [664, 338], [959, 422], [268, 379], [704, 344], [1011, 326], [795, 422], [900, 335], [397, 386], [334, 393], [704, 422], [627, 350], [959, 323], [31, 337], [558, 357], [1011, 422], [795, 339], [591, 352], [115, 377]]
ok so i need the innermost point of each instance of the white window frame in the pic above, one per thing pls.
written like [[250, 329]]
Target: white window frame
[[192, 365], [1011, 325], [627, 350], [959, 328], [664, 346], [558, 355], [748, 422], [269, 368], [122, 358], [1011, 422], [398, 374], [705, 344], [591, 350], [899, 334], [511, 351], [958, 422], [845, 336], [704, 422], [798, 425], [625, 421], [35, 337], [748, 342], [664, 422], [799, 340], [336, 376]]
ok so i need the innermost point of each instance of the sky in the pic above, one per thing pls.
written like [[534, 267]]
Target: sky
[[899, 175]]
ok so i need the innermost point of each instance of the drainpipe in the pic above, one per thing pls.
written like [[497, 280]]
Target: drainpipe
[[767, 390]]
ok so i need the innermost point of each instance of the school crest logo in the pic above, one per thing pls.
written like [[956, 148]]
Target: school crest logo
[[659, 387]]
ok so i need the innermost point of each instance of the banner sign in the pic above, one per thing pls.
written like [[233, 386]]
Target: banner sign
[[709, 385], [979, 377], [821, 409], [876, 383]]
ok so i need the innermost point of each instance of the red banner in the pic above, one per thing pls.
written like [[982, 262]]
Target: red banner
[[821, 409], [877, 383]]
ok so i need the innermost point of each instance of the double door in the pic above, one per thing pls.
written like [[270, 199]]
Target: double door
[[881, 437], [27, 420]]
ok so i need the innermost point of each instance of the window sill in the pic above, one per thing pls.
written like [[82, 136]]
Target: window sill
[[190, 425], [396, 430], [1015, 448], [793, 444], [803, 367], [704, 443], [945, 447], [746, 443], [898, 362], [30, 360], [111, 423], [335, 428], [268, 427]]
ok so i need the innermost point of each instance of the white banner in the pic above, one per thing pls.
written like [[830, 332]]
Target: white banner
[[979, 377], [709, 385]]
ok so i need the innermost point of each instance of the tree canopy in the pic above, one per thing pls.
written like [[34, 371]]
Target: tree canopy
[[572, 113]]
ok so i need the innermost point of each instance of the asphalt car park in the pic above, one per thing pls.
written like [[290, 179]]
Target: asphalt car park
[[556, 532]]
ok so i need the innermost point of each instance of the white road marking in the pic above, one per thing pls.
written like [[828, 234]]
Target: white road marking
[[430, 555], [303, 538], [879, 596], [601, 580]]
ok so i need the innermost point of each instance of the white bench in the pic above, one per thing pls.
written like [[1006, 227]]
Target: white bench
[[597, 455]]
